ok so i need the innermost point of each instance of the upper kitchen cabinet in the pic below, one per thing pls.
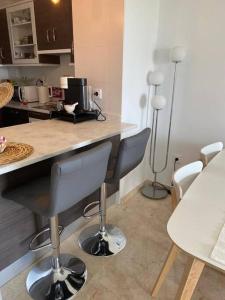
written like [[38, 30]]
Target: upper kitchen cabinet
[[5, 51], [54, 26], [21, 22]]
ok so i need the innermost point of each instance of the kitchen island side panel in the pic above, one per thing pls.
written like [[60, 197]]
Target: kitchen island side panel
[[18, 225]]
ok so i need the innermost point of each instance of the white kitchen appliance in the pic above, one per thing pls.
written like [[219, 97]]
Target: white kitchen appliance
[[44, 93], [28, 93]]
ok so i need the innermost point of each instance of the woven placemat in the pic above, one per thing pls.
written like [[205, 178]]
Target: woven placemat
[[6, 93], [15, 152]]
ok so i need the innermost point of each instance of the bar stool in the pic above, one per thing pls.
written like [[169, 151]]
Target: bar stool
[[208, 152], [104, 239], [182, 180], [61, 276]]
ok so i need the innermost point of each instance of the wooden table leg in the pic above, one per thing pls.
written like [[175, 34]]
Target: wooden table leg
[[166, 268], [190, 279]]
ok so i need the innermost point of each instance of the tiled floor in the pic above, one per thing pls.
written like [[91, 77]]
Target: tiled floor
[[131, 274]]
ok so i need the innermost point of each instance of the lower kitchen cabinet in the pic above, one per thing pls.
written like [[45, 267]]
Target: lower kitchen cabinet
[[12, 116]]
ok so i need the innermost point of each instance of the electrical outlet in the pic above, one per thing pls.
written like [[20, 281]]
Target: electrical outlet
[[97, 94], [177, 158]]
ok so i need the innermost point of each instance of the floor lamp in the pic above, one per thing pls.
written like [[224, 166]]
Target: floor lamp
[[155, 190]]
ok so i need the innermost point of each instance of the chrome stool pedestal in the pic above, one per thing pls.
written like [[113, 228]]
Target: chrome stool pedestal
[[102, 239], [60, 276], [45, 282], [102, 243]]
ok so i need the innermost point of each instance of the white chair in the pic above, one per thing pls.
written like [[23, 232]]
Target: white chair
[[182, 179], [208, 152]]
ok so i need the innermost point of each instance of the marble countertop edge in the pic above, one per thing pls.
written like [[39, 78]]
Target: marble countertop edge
[[39, 155]]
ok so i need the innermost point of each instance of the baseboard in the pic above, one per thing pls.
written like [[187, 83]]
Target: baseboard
[[135, 190]]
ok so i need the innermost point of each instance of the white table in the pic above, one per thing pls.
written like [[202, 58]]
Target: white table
[[195, 225]]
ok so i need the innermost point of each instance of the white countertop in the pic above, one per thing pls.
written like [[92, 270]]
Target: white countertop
[[53, 137], [197, 221]]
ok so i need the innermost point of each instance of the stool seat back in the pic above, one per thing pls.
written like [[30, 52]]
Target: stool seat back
[[131, 153], [77, 177]]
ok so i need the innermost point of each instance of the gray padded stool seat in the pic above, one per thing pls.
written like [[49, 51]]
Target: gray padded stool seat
[[61, 276], [105, 239]]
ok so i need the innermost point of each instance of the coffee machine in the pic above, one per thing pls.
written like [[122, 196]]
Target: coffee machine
[[77, 95]]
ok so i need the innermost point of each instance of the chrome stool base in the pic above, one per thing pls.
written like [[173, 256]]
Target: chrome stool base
[[44, 282], [98, 243]]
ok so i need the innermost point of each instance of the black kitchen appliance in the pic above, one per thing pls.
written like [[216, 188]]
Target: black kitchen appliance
[[76, 91], [16, 96]]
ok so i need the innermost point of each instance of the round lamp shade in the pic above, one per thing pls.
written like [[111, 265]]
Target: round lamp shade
[[178, 54], [156, 78], [158, 102]]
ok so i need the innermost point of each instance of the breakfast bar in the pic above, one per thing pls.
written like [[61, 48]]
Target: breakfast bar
[[51, 140]]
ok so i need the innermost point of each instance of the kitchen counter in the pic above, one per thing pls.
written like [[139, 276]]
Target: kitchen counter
[[32, 106], [50, 138]]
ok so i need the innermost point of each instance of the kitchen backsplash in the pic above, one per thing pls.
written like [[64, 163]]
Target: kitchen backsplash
[[50, 75]]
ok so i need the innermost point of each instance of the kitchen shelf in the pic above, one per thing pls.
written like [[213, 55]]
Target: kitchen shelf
[[29, 65], [21, 24], [24, 45]]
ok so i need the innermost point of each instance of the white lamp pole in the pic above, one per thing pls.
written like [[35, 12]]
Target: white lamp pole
[[178, 54], [158, 191]]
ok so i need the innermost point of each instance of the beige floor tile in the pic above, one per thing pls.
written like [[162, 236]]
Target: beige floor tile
[[131, 274]]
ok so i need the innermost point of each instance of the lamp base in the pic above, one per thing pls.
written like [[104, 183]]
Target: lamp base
[[154, 192]]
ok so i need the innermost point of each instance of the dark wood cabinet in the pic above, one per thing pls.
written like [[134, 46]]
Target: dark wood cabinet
[[11, 116], [53, 24], [5, 50]]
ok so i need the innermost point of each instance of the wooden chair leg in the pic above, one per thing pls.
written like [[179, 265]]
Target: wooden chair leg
[[165, 270], [174, 198], [190, 279]]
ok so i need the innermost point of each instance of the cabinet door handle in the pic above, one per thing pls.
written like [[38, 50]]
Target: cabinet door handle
[[54, 34], [47, 36]]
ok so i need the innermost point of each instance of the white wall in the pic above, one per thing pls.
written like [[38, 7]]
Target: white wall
[[200, 97], [140, 33], [98, 34]]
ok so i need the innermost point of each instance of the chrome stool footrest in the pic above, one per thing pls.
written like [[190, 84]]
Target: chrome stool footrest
[[42, 246], [89, 206]]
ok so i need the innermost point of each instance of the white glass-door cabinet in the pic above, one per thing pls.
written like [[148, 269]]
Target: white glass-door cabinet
[[22, 31]]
